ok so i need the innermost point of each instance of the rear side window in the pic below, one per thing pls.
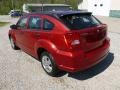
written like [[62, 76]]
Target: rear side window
[[34, 23], [47, 25], [77, 22], [22, 23]]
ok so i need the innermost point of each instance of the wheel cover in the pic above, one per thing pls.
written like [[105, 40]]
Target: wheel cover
[[47, 65]]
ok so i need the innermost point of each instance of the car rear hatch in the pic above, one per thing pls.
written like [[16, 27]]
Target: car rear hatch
[[86, 39], [95, 37], [86, 32]]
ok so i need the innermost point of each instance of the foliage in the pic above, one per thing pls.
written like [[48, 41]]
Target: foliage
[[3, 23]]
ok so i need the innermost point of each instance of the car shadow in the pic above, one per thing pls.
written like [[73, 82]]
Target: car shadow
[[95, 70]]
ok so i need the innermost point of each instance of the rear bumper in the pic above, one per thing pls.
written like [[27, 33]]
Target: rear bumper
[[79, 60]]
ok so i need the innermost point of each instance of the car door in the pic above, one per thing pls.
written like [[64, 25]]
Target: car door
[[33, 33], [19, 33]]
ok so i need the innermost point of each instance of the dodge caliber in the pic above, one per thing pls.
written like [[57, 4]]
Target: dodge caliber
[[62, 41]]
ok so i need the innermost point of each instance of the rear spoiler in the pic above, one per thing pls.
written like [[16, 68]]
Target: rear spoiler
[[78, 13]]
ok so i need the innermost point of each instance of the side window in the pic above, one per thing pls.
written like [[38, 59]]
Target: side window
[[47, 25], [22, 23], [34, 23]]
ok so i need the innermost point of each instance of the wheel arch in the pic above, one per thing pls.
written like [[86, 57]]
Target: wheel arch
[[44, 45], [9, 35], [40, 50]]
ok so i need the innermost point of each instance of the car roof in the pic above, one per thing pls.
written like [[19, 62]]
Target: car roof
[[59, 14]]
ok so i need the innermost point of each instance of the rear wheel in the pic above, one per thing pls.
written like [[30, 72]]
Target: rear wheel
[[48, 64], [13, 44]]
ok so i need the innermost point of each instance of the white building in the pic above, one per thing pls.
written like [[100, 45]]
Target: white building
[[27, 8], [101, 7]]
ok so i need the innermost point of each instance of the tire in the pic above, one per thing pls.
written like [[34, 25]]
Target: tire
[[48, 64], [13, 44]]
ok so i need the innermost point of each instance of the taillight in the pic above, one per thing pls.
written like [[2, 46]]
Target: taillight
[[75, 42], [72, 40]]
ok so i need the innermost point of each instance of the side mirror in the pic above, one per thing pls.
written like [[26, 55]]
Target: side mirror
[[13, 26]]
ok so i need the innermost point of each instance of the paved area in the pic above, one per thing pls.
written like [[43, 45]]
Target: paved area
[[113, 23], [19, 71]]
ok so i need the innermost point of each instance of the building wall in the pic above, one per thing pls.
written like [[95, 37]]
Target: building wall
[[109, 8], [83, 5], [97, 7], [115, 8], [115, 4]]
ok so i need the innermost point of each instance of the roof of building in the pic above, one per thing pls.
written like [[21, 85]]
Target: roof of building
[[47, 5]]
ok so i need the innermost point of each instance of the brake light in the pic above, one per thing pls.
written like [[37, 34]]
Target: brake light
[[72, 39], [75, 42]]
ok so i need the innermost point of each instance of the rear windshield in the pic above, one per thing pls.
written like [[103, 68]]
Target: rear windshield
[[77, 22]]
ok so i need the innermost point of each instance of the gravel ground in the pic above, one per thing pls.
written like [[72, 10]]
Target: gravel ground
[[19, 71]]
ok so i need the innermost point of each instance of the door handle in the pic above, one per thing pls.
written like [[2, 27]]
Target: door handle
[[37, 35]]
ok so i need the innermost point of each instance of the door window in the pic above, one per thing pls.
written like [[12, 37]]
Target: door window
[[47, 25], [22, 24], [34, 23]]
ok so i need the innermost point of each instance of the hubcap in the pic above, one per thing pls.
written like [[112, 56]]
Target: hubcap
[[12, 42], [46, 62]]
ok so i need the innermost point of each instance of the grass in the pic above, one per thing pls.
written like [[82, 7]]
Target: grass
[[3, 23]]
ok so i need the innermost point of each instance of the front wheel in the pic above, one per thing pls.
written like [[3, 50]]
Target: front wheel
[[13, 44], [48, 64]]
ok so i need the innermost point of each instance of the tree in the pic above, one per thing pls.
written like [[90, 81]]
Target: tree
[[52, 1], [6, 5]]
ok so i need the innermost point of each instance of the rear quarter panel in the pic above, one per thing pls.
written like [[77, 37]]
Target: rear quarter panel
[[52, 40]]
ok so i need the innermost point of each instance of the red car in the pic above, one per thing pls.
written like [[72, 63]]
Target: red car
[[71, 41]]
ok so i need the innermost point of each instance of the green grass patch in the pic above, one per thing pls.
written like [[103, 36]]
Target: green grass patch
[[3, 23]]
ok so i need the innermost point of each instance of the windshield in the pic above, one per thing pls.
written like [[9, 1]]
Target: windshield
[[77, 22]]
